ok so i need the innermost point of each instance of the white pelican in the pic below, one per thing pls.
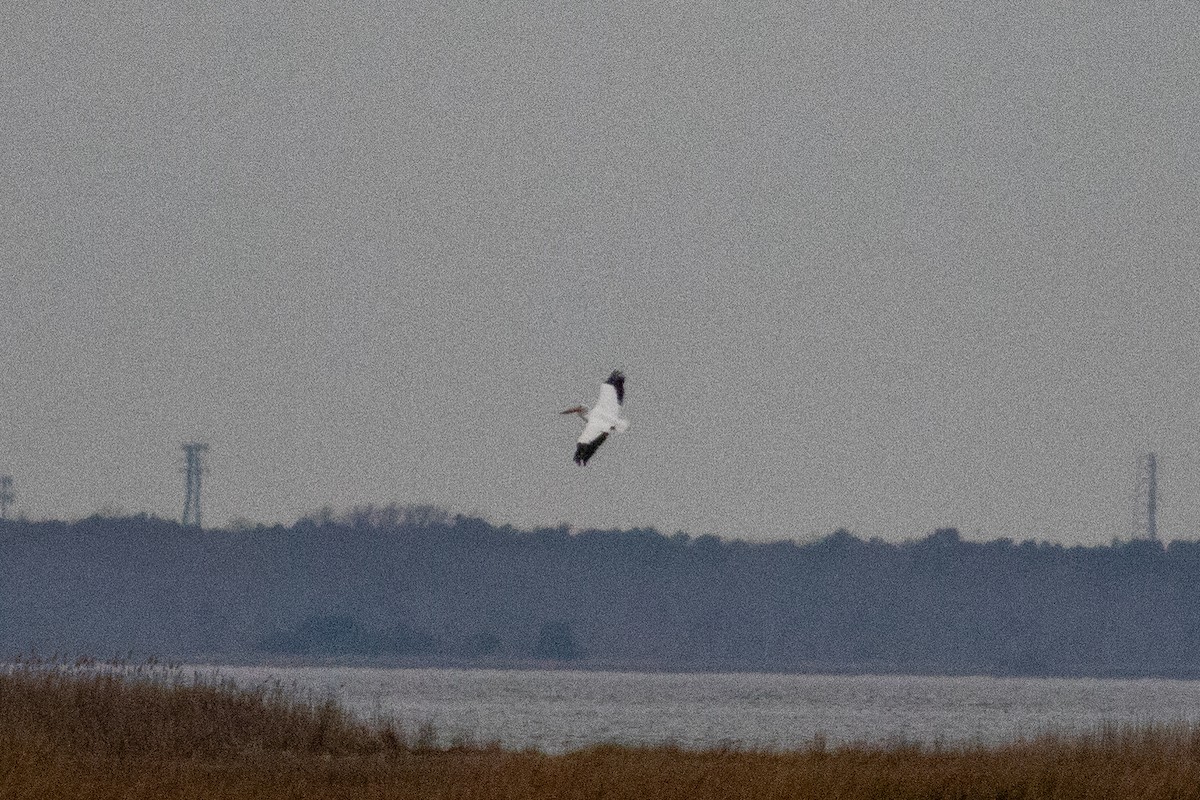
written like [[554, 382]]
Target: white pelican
[[604, 417]]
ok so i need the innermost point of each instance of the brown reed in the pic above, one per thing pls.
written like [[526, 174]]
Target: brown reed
[[115, 731]]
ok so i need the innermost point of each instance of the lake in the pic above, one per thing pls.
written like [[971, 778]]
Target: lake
[[562, 710]]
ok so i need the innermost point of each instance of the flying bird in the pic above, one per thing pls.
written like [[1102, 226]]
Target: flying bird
[[603, 418]]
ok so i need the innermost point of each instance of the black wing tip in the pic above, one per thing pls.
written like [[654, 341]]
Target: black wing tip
[[617, 379], [585, 450]]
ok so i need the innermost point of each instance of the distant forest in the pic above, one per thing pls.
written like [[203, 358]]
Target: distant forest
[[418, 586]]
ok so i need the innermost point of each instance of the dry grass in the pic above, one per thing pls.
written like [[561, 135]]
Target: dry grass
[[86, 730]]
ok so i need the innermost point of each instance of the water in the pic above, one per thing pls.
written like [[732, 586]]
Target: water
[[557, 711]]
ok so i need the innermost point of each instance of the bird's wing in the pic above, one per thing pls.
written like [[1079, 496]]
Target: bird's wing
[[585, 448], [616, 379], [594, 434], [596, 427], [609, 402]]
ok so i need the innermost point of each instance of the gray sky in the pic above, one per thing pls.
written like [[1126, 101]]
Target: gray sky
[[887, 269]]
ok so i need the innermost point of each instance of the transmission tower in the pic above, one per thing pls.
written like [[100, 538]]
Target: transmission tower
[[1145, 523], [193, 456], [7, 496]]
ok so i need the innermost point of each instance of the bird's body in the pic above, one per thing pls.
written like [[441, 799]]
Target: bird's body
[[602, 419]]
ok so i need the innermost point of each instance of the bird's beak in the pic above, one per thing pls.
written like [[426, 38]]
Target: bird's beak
[[575, 410]]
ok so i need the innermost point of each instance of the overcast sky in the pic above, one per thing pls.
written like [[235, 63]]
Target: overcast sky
[[887, 269]]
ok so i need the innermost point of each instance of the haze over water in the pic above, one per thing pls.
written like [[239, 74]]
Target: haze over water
[[562, 710]]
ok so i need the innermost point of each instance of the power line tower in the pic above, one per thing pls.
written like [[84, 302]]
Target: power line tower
[[193, 457], [1145, 522], [7, 495]]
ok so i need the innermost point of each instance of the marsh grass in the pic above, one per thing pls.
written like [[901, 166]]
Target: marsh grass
[[83, 729]]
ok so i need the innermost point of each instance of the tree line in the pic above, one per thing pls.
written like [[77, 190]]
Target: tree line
[[419, 585]]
